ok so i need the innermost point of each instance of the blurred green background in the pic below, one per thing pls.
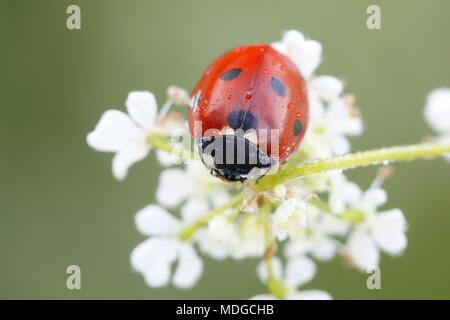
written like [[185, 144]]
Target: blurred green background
[[59, 204]]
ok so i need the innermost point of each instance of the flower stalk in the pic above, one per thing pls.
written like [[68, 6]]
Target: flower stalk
[[188, 231], [158, 141], [351, 215], [274, 285], [355, 160]]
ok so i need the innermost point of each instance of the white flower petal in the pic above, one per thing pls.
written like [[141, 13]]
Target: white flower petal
[[285, 209], [305, 53], [248, 248], [388, 229], [125, 158], [297, 247], [194, 209], [115, 131], [222, 230], [174, 186], [189, 268], [342, 121], [219, 197], [309, 295], [153, 259], [299, 270], [354, 126], [363, 251], [167, 159], [437, 110], [210, 246], [342, 192], [351, 192], [329, 88], [340, 145], [281, 217], [336, 201], [141, 106], [373, 198], [333, 226], [316, 108], [154, 220], [277, 270], [324, 248]]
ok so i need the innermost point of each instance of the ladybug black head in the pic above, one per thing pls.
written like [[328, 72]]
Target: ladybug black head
[[233, 157]]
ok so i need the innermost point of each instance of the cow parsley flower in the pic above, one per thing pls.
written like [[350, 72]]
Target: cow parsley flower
[[341, 191], [307, 210], [298, 271], [319, 237], [193, 186], [125, 135], [305, 53], [232, 236], [377, 230], [289, 218], [154, 257], [221, 237], [330, 127]]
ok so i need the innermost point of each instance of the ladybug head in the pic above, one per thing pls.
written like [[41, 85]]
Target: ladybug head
[[234, 157]]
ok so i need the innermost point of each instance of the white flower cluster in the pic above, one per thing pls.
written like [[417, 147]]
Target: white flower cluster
[[316, 218]]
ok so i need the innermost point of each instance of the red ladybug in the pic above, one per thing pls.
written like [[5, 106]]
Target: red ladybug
[[248, 111]]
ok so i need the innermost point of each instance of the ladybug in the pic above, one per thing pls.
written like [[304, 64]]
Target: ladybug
[[248, 112]]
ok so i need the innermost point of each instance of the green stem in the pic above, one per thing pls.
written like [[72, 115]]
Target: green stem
[[274, 285], [161, 142], [187, 232], [355, 160], [350, 215], [298, 157]]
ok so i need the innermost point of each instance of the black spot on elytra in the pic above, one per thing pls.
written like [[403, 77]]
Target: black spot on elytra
[[297, 127], [242, 120], [278, 87], [230, 74]]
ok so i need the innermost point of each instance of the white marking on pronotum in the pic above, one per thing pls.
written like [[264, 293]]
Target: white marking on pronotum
[[208, 160], [227, 131]]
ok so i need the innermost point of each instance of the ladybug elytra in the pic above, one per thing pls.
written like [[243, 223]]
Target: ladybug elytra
[[248, 111]]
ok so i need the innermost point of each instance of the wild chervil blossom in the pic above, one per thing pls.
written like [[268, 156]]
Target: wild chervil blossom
[[298, 271], [294, 221], [193, 186], [319, 237], [126, 134], [437, 114], [374, 231], [155, 256]]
